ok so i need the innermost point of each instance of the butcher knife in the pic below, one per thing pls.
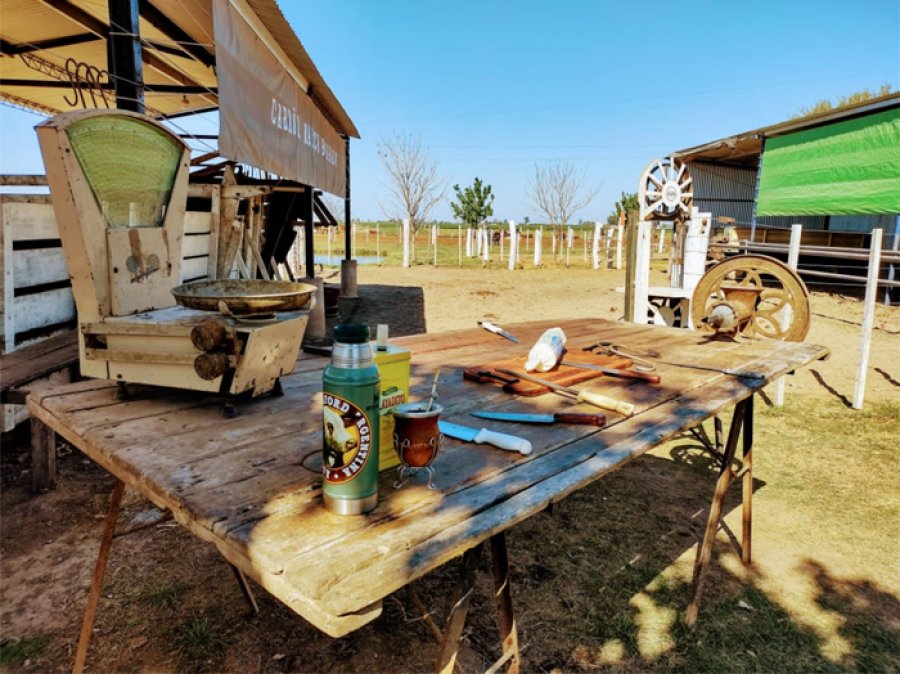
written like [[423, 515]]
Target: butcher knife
[[557, 418], [497, 330], [484, 436]]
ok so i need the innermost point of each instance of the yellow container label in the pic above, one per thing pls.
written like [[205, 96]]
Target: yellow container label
[[393, 365]]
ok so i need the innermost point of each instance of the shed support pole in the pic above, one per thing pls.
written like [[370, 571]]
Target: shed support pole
[[124, 54], [307, 207]]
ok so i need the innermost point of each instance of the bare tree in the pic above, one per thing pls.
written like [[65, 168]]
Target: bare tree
[[414, 184], [559, 190]]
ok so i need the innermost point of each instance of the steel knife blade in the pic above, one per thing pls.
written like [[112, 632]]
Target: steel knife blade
[[484, 436], [497, 330], [557, 418]]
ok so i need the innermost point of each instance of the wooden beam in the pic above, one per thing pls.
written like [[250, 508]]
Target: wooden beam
[[174, 32], [12, 49]]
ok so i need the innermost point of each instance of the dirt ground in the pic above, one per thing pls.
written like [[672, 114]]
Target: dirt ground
[[170, 602]]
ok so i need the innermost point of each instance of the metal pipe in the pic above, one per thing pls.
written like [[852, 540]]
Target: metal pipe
[[348, 253]]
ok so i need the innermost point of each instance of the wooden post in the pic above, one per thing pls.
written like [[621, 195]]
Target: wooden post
[[434, 238], [630, 232], [584, 244], [793, 259], [595, 245], [459, 246], [503, 594], [662, 239], [641, 258], [619, 229], [405, 236], [501, 245], [43, 455], [378, 242], [462, 596], [868, 319], [538, 240], [513, 245]]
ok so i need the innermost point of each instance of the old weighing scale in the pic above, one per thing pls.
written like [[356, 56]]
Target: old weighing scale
[[119, 185]]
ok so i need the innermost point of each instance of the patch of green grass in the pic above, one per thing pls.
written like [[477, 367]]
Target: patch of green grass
[[17, 651], [161, 594], [200, 639]]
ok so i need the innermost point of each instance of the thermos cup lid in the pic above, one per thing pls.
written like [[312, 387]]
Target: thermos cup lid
[[351, 333]]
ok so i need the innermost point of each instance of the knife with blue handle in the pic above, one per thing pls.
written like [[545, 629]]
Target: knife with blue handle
[[484, 436], [557, 418]]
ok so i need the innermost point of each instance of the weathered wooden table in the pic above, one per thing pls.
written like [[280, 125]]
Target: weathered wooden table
[[251, 486]]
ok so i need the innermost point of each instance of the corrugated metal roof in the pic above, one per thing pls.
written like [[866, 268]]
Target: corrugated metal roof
[[743, 149]]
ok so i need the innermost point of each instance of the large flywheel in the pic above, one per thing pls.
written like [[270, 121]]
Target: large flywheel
[[752, 295], [665, 191]]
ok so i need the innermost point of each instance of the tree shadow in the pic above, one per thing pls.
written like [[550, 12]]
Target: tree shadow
[[840, 396]]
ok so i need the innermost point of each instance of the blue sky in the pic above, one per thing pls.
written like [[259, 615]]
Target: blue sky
[[495, 87]]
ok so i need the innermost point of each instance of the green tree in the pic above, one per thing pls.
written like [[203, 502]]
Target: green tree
[[628, 202], [473, 204], [825, 105]]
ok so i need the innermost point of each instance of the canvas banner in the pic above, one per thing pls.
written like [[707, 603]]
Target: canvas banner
[[266, 119], [846, 168]]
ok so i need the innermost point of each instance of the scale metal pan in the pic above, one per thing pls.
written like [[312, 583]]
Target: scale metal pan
[[244, 297]]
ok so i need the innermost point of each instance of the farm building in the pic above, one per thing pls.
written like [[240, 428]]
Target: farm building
[[836, 173]]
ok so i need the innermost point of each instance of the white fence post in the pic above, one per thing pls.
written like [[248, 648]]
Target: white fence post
[[792, 261], [485, 247], [538, 239], [353, 243], [405, 236], [513, 245], [868, 319], [640, 301], [662, 239], [378, 241], [570, 240], [619, 229], [434, 240], [595, 245], [501, 245]]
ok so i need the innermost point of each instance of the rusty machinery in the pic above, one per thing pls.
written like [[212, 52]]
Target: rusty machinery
[[753, 296], [119, 186]]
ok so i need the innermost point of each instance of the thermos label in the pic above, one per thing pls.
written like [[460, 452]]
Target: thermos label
[[347, 439]]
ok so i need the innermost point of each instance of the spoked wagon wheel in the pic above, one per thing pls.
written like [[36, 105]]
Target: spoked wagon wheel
[[779, 301], [665, 190]]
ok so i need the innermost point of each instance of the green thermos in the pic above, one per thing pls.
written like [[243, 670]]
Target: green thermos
[[350, 402]]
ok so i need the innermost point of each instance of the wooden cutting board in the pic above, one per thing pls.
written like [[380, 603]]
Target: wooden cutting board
[[562, 375]]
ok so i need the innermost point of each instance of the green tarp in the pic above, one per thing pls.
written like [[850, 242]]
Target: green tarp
[[845, 168]]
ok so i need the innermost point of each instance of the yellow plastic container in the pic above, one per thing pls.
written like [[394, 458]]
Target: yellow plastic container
[[393, 364]]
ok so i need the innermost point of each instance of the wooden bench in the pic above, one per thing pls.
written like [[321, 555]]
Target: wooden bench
[[52, 361]]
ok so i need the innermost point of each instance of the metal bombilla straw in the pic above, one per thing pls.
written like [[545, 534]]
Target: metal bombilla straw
[[434, 383]]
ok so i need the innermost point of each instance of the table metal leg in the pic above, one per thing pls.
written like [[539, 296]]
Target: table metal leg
[[503, 592], [115, 501], [462, 597], [726, 476]]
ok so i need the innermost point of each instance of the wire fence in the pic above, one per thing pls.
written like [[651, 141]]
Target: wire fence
[[450, 245]]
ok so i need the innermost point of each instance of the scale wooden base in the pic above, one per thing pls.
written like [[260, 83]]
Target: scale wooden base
[[172, 347]]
